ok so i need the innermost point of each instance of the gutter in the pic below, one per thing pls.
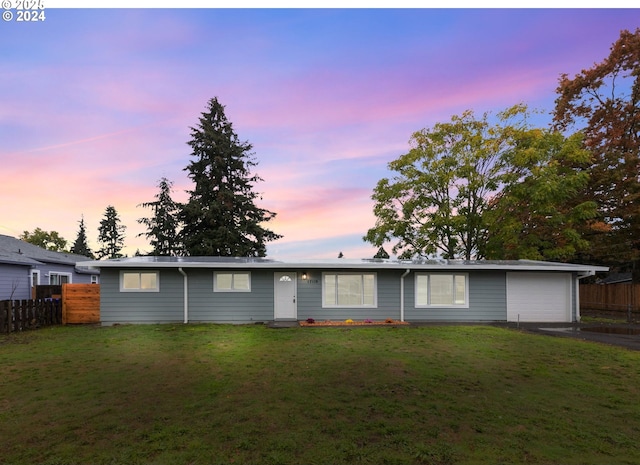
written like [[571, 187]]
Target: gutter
[[407, 271], [186, 295]]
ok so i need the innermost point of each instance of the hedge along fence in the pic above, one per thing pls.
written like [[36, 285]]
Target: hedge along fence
[[80, 303], [20, 315]]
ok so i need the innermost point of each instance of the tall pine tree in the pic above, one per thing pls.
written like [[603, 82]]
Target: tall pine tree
[[162, 227], [110, 234], [80, 246], [221, 217]]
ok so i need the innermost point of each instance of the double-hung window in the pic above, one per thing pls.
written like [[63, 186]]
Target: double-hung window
[[442, 290], [349, 290], [228, 281], [139, 281]]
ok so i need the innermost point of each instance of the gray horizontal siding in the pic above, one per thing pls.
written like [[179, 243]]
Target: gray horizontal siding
[[310, 298], [487, 300], [141, 307], [230, 307], [14, 282]]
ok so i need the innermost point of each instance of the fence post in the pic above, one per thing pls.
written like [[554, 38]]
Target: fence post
[[5, 312], [31, 313], [58, 306]]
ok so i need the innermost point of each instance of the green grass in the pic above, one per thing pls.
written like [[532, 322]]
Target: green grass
[[222, 394]]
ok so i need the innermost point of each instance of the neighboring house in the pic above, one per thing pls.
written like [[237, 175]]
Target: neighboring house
[[616, 278], [24, 265], [244, 290]]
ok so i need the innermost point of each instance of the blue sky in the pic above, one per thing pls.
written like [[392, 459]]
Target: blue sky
[[98, 103]]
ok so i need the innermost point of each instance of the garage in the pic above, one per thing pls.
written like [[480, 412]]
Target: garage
[[538, 297]]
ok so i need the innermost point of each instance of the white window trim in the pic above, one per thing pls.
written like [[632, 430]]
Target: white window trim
[[375, 290], [94, 279], [37, 280], [156, 289], [60, 273], [215, 281], [429, 305]]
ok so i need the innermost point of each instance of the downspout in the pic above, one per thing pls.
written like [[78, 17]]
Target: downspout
[[186, 295], [402, 293], [586, 274]]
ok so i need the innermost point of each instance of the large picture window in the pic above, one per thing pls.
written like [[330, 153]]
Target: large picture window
[[442, 290], [139, 281], [349, 290], [226, 281]]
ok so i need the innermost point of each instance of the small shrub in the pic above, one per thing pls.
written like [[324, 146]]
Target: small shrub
[[368, 321], [349, 321], [388, 320], [311, 321]]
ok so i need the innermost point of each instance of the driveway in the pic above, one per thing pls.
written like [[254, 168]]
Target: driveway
[[622, 335]]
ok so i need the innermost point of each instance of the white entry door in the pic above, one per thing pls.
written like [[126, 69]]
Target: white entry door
[[285, 287]]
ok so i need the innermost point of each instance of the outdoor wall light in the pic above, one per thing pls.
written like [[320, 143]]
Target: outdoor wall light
[[304, 275]]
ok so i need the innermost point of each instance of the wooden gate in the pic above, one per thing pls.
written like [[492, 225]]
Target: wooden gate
[[80, 303]]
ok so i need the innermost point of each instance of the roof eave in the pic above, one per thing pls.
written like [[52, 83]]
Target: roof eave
[[365, 265]]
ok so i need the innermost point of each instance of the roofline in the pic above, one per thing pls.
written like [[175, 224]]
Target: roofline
[[184, 262], [8, 261]]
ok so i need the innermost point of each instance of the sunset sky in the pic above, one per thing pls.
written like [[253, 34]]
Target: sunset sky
[[96, 105]]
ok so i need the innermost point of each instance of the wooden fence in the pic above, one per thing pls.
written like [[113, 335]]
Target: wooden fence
[[20, 315], [80, 303], [620, 297], [47, 291]]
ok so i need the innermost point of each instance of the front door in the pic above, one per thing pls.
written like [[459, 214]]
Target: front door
[[286, 307]]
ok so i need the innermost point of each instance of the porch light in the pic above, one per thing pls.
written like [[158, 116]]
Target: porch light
[[304, 275]]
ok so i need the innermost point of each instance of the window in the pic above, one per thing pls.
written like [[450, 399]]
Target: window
[[94, 279], [35, 278], [349, 290], [227, 281], [441, 290], [139, 281], [57, 279]]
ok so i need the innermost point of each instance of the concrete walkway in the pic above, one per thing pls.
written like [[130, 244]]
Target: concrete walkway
[[282, 324]]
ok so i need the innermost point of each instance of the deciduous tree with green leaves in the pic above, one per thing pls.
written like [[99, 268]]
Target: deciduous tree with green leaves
[[604, 103], [45, 239], [221, 217], [470, 189], [435, 202], [110, 235], [163, 227], [538, 214]]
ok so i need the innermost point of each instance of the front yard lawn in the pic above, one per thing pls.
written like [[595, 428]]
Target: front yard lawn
[[223, 394]]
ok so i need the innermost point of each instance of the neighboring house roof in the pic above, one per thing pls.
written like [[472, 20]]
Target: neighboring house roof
[[340, 263], [15, 251], [616, 278]]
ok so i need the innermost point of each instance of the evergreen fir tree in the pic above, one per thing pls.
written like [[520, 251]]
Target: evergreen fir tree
[[80, 246], [381, 253], [110, 235], [221, 217], [162, 227]]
